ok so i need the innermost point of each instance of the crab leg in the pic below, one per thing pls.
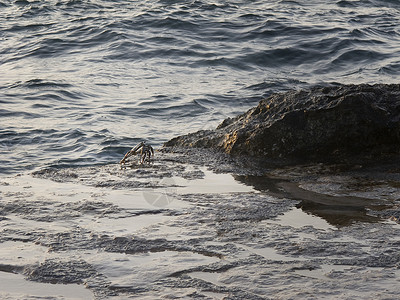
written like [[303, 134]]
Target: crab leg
[[146, 153], [131, 152]]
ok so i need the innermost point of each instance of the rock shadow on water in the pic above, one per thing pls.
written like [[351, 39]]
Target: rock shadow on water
[[336, 210]]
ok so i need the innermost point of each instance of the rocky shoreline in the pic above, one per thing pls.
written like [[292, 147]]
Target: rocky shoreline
[[207, 222], [335, 148], [324, 123], [207, 227]]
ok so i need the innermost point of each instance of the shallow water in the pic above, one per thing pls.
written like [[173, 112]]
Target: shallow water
[[14, 286], [156, 231], [83, 81]]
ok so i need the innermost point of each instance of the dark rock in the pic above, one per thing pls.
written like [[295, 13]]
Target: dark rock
[[324, 122], [66, 272]]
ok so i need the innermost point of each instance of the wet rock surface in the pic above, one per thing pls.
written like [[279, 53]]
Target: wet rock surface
[[323, 123], [179, 229]]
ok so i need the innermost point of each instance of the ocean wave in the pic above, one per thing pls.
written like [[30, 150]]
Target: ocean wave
[[40, 84], [155, 69]]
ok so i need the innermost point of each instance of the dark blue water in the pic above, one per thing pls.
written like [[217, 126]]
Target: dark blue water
[[83, 81]]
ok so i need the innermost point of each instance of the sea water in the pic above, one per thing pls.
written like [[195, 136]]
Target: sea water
[[83, 81]]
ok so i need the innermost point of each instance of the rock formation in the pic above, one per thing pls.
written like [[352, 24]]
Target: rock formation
[[323, 122]]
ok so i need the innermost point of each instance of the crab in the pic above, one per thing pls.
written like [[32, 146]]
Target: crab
[[146, 152]]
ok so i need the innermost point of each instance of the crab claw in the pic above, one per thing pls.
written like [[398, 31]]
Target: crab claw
[[132, 152], [127, 155]]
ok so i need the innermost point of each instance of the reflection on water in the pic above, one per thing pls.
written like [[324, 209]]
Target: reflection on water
[[336, 210], [14, 286], [298, 218], [211, 183]]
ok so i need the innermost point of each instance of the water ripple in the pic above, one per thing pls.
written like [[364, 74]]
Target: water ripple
[[84, 80]]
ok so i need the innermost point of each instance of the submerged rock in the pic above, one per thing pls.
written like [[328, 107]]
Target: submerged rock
[[321, 123]]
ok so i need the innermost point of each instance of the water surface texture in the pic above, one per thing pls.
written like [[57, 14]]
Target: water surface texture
[[82, 81]]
